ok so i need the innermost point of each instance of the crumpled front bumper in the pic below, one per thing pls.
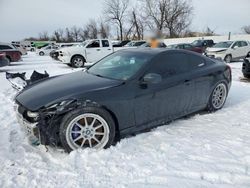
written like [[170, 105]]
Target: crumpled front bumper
[[30, 129]]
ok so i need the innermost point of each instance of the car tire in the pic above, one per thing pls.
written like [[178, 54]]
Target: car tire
[[78, 61], [75, 134], [41, 53], [218, 97], [248, 55], [247, 75], [228, 58]]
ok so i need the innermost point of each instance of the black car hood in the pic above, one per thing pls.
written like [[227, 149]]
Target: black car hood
[[63, 87]]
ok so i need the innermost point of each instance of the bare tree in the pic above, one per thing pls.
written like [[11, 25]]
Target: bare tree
[[68, 35], [104, 30], [75, 31], [115, 11], [138, 23], [58, 35], [155, 11], [170, 17], [90, 30], [44, 36], [246, 29], [178, 16]]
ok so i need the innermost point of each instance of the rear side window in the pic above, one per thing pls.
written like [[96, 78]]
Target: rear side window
[[176, 63], [195, 62], [5, 47], [105, 43], [243, 43]]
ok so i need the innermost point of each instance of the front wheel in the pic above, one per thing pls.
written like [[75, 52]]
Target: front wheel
[[218, 97], [90, 127], [78, 61]]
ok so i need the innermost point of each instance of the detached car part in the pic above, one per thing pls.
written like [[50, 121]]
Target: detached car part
[[19, 80]]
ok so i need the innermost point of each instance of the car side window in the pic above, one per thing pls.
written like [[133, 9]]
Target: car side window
[[170, 64], [105, 43], [5, 47], [94, 44], [238, 44], [243, 43], [195, 62], [177, 63], [187, 46]]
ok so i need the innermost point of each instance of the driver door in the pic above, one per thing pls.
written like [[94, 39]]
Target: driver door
[[157, 103], [93, 51]]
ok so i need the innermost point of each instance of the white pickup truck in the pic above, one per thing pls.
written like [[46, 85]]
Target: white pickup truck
[[89, 51]]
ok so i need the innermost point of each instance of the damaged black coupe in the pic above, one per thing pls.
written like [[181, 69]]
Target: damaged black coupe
[[125, 93]]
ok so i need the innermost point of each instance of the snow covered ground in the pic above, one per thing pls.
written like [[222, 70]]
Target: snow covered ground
[[205, 150]]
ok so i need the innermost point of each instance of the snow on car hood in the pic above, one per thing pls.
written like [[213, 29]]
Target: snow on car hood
[[63, 87]]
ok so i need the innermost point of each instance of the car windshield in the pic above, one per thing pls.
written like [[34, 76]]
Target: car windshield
[[172, 46], [223, 44], [130, 43], [197, 43], [120, 65]]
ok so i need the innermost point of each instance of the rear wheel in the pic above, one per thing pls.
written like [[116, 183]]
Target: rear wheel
[[248, 54], [228, 58], [218, 97], [78, 61], [246, 75], [90, 127], [41, 53]]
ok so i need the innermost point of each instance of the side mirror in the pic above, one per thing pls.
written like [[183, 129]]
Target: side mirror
[[151, 78], [235, 47]]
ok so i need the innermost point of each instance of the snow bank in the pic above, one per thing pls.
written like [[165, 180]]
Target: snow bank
[[205, 150]]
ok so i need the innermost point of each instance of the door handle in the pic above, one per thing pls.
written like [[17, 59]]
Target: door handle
[[109, 49], [98, 49]]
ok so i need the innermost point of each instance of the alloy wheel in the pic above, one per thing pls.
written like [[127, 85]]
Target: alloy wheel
[[78, 62], [87, 131], [219, 96]]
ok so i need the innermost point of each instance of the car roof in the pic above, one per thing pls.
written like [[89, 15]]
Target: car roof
[[154, 51]]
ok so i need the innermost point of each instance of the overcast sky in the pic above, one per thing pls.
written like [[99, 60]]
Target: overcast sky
[[25, 18]]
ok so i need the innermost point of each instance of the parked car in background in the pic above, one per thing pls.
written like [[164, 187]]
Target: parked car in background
[[55, 53], [246, 67], [148, 45], [229, 50], [125, 93], [46, 50], [12, 54], [135, 43], [203, 44], [3, 60], [89, 51], [21, 48], [121, 44], [30, 48], [185, 46]]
